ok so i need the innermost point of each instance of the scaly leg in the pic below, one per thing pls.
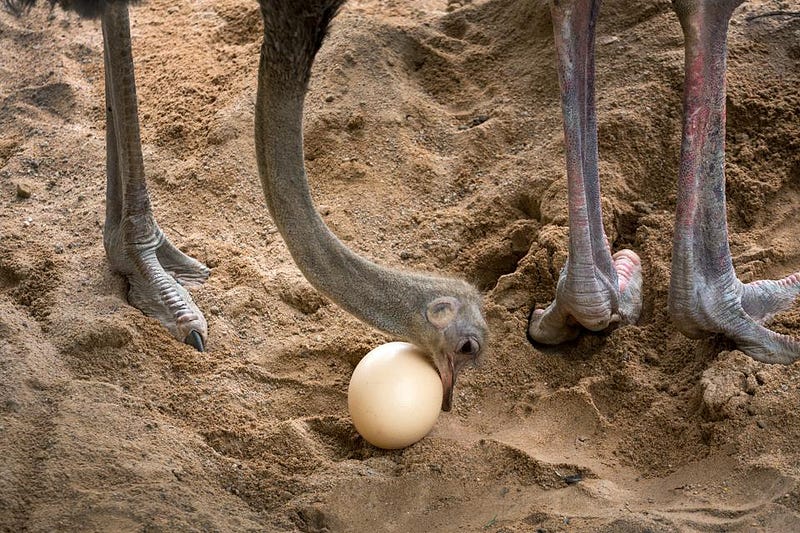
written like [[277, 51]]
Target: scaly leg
[[705, 295], [135, 245], [595, 289]]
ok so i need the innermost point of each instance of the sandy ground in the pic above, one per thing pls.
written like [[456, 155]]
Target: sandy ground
[[433, 142]]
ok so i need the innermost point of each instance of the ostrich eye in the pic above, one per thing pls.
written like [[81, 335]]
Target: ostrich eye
[[468, 347]]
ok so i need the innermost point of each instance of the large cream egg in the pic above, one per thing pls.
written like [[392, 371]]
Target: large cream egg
[[395, 395]]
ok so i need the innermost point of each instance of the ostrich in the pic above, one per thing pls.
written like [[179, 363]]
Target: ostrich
[[443, 315], [596, 288]]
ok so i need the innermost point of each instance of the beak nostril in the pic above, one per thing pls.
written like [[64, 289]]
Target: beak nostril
[[468, 347]]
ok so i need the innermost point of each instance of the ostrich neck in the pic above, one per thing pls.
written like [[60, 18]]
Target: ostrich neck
[[386, 299]]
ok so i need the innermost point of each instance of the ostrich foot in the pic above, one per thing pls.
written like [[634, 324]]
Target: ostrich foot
[[595, 289], [158, 274], [136, 247], [594, 301], [705, 295], [738, 311]]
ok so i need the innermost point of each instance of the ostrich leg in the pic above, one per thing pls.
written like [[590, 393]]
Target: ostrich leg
[[705, 295], [135, 245], [595, 289]]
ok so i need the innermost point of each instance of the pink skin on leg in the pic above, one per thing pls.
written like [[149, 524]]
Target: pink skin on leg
[[595, 289], [705, 295]]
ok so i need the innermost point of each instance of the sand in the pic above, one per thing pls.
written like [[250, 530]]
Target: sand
[[433, 142]]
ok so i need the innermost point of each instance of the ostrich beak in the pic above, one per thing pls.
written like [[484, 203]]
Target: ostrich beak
[[448, 376]]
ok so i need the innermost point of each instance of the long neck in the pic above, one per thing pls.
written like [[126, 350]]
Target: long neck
[[387, 299]]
